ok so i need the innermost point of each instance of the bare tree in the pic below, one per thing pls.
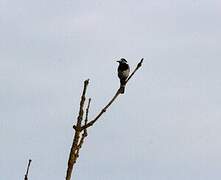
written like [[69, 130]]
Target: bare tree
[[81, 127]]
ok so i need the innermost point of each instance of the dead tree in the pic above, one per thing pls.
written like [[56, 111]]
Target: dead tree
[[81, 127]]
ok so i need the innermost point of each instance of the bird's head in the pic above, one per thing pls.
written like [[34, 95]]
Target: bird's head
[[122, 60]]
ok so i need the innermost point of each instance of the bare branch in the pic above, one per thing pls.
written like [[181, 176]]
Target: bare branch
[[138, 66], [102, 111], [74, 148], [81, 110], [26, 174], [84, 134], [112, 100], [86, 118]]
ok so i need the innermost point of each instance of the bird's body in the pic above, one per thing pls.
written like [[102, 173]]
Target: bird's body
[[123, 73]]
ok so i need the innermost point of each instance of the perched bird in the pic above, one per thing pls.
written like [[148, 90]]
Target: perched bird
[[123, 73]]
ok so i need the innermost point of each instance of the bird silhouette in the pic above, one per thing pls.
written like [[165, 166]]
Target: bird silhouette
[[123, 73]]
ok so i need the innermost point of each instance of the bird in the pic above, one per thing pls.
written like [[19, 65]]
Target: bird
[[123, 73]]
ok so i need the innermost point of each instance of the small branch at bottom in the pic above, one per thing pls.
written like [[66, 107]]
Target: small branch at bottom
[[26, 174]]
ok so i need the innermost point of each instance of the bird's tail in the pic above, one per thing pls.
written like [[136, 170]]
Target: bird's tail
[[122, 89], [122, 85]]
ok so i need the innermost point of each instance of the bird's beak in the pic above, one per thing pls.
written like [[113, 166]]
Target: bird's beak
[[117, 61]]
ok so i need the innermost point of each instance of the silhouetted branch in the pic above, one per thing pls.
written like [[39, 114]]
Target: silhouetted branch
[[26, 174], [138, 66], [112, 100], [102, 111], [84, 134], [74, 148]]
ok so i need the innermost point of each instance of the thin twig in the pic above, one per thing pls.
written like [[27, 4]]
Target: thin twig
[[73, 156], [138, 66], [112, 100], [86, 118], [26, 174], [84, 134], [81, 111], [102, 111]]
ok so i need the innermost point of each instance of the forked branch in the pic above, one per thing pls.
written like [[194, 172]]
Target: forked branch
[[112, 100], [76, 140]]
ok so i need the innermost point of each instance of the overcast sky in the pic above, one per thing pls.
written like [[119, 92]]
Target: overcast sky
[[167, 125]]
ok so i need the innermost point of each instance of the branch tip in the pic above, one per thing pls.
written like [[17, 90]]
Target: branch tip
[[140, 63], [86, 81]]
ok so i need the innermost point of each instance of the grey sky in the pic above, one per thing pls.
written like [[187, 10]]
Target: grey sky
[[166, 126]]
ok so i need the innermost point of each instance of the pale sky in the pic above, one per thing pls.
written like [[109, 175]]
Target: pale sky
[[167, 124]]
